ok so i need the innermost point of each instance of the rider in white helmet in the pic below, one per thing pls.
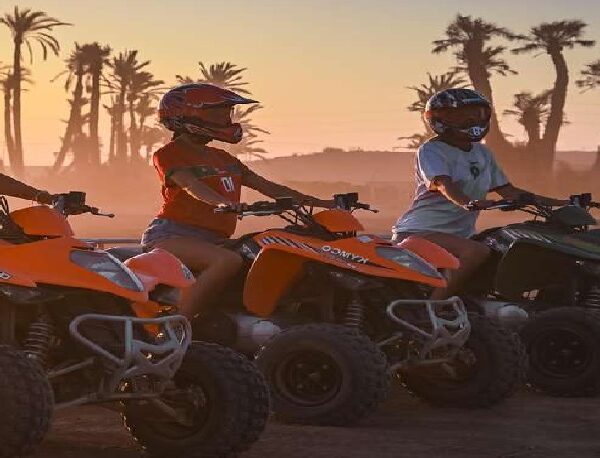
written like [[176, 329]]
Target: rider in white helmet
[[454, 174]]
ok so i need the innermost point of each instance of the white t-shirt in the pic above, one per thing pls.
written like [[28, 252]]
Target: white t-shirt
[[476, 172]]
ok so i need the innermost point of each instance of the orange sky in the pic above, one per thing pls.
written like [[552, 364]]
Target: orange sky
[[329, 73]]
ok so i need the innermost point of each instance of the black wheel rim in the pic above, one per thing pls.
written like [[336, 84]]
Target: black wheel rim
[[561, 353], [308, 378]]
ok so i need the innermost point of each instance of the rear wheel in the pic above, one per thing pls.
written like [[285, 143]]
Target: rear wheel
[[224, 402], [564, 351], [488, 369], [324, 374], [26, 400]]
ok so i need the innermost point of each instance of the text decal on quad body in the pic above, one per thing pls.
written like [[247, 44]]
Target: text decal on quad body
[[346, 255]]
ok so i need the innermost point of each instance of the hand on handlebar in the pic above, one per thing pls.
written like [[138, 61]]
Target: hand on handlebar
[[231, 207], [482, 204]]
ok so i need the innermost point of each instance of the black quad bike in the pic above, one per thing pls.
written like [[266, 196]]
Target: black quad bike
[[330, 313], [550, 267]]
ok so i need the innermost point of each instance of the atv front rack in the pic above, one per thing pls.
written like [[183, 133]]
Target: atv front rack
[[451, 333], [159, 360]]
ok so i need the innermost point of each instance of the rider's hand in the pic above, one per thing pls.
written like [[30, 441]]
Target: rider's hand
[[44, 197], [476, 205], [232, 207]]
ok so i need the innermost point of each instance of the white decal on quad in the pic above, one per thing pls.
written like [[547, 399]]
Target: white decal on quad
[[5, 276], [346, 255], [228, 184]]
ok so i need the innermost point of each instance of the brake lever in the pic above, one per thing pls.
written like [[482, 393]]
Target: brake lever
[[95, 211]]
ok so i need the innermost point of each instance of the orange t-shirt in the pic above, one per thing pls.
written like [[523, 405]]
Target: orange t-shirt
[[216, 168]]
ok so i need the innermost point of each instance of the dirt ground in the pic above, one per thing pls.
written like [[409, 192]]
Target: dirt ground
[[526, 426]]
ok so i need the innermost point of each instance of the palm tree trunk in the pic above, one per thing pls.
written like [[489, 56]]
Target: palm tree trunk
[[17, 163], [557, 99], [95, 158], [74, 124], [120, 134], [531, 123], [134, 146], [481, 82], [111, 148], [10, 145]]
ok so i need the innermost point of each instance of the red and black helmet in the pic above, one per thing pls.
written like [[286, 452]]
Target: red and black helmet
[[190, 108], [460, 111]]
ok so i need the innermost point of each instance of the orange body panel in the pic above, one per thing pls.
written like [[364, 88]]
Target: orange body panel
[[48, 261], [153, 268], [430, 252], [42, 220], [272, 273], [338, 221], [159, 266], [356, 254]]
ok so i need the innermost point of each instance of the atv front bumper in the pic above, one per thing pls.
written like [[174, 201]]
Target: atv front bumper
[[450, 330], [156, 359]]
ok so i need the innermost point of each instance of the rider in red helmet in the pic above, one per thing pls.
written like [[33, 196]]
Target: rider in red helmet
[[197, 178], [454, 173]]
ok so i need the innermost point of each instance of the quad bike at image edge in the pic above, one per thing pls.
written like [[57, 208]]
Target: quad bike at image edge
[[331, 313], [549, 266], [69, 336]]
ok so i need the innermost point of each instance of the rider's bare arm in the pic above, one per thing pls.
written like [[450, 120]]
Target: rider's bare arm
[[187, 181], [450, 190], [15, 188], [274, 190], [512, 192]]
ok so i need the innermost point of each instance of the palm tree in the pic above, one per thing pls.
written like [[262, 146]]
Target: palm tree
[[95, 57], [123, 68], [144, 89], [27, 26], [76, 68], [553, 38], [6, 82], [433, 85], [112, 113], [531, 112], [223, 74], [470, 37], [591, 77], [7, 85]]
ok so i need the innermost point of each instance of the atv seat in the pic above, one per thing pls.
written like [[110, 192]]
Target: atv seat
[[123, 253]]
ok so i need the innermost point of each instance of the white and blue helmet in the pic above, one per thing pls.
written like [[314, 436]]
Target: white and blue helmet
[[460, 111]]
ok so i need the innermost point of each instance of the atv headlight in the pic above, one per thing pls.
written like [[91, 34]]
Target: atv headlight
[[108, 267], [409, 260]]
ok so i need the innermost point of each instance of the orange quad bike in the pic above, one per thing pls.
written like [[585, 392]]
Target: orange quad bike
[[69, 336], [331, 313]]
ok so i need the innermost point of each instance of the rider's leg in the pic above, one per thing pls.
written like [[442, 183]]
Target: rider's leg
[[216, 265], [470, 253]]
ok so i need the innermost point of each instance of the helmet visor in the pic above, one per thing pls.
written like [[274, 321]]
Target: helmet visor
[[465, 116]]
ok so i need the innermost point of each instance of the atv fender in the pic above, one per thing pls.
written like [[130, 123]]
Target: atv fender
[[430, 252], [274, 271]]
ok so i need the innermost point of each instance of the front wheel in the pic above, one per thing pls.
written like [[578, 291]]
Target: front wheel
[[564, 351], [222, 398], [488, 369], [323, 374], [26, 400]]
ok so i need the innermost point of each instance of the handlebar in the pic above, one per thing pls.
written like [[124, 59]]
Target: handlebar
[[73, 203], [348, 202]]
